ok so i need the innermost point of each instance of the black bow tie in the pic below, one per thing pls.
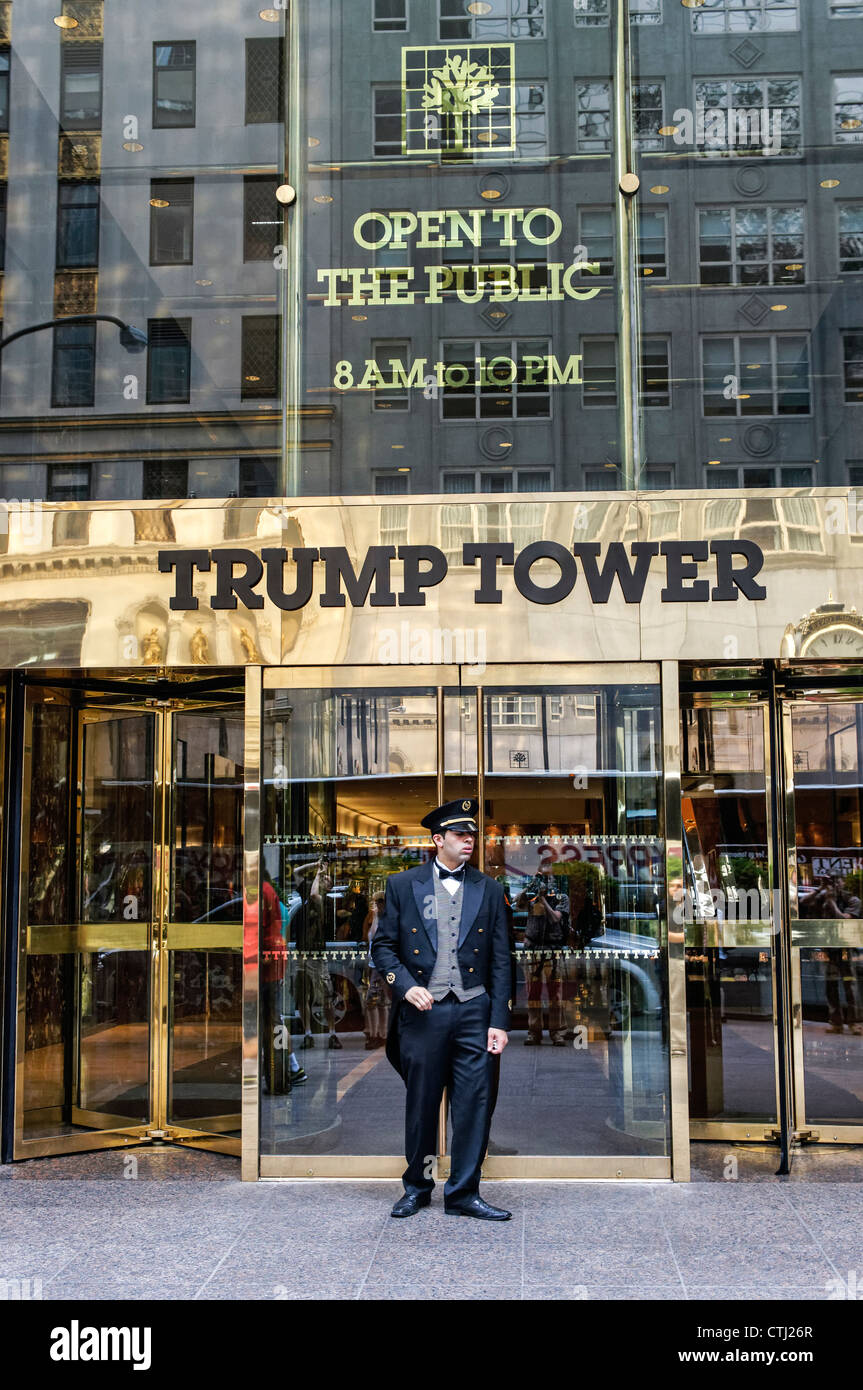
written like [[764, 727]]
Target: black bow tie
[[450, 873]]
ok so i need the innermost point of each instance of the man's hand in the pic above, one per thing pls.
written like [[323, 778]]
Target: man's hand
[[419, 997], [497, 1040]]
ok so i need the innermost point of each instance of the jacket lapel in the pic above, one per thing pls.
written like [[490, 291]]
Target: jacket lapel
[[423, 888], [474, 888]]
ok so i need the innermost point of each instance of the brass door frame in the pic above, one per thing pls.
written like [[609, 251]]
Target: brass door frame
[[539, 677], [156, 935]]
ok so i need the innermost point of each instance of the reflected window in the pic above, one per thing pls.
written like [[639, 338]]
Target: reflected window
[[169, 360], [852, 367], [605, 479], [392, 484], [497, 480], [264, 81], [593, 115], [390, 16], [764, 476], [850, 237], [593, 12], [4, 88], [173, 84], [846, 9], [497, 19], [746, 16], [68, 482], [659, 478], [596, 232], [77, 225], [655, 372], [172, 219], [495, 380], [165, 478], [260, 365], [393, 359], [387, 121], [766, 375], [648, 115], [752, 245], [599, 370], [848, 109], [262, 221], [259, 477], [465, 261], [81, 86], [745, 116], [73, 368]]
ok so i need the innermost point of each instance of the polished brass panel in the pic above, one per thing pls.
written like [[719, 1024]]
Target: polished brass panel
[[673, 936], [118, 577], [251, 1081], [358, 677], [203, 936]]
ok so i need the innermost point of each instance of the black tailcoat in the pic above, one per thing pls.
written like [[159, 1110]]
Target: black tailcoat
[[404, 947]]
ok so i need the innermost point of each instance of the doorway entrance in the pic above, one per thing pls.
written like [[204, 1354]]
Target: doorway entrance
[[567, 766], [772, 882], [130, 917]]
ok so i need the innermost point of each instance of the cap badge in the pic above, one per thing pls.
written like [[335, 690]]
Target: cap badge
[[465, 805]]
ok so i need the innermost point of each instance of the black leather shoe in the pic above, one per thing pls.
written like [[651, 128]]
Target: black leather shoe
[[480, 1209], [410, 1203]]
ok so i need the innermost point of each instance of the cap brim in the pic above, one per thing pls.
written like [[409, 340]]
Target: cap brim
[[459, 823]]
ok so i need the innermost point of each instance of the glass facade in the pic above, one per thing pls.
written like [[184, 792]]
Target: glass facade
[[586, 246]]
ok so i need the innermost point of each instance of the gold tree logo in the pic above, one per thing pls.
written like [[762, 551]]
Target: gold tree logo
[[460, 89], [458, 100]]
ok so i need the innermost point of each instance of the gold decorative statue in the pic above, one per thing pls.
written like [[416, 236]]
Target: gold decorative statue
[[152, 648], [199, 648], [247, 642]]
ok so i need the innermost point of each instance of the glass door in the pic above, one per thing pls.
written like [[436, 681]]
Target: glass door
[[728, 906], [131, 923], [824, 806], [567, 766]]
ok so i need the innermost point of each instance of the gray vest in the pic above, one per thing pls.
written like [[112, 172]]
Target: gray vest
[[446, 975]]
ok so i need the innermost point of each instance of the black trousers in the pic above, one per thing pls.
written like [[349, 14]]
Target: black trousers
[[446, 1046]]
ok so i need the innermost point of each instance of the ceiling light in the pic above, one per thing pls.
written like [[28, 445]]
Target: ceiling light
[[65, 21], [203, 282], [668, 129], [692, 4], [753, 366], [744, 396], [403, 470], [313, 141], [323, 198], [253, 378], [711, 463], [491, 193], [133, 146], [851, 123], [829, 183], [647, 270], [609, 465], [479, 7], [796, 265], [497, 314], [778, 308], [398, 446], [271, 16], [659, 188], [487, 137], [726, 440], [159, 203], [359, 318]]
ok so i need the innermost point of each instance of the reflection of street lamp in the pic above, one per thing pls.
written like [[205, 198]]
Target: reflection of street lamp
[[132, 338]]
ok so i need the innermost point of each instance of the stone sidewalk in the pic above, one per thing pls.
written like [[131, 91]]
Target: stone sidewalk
[[187, 1228]]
